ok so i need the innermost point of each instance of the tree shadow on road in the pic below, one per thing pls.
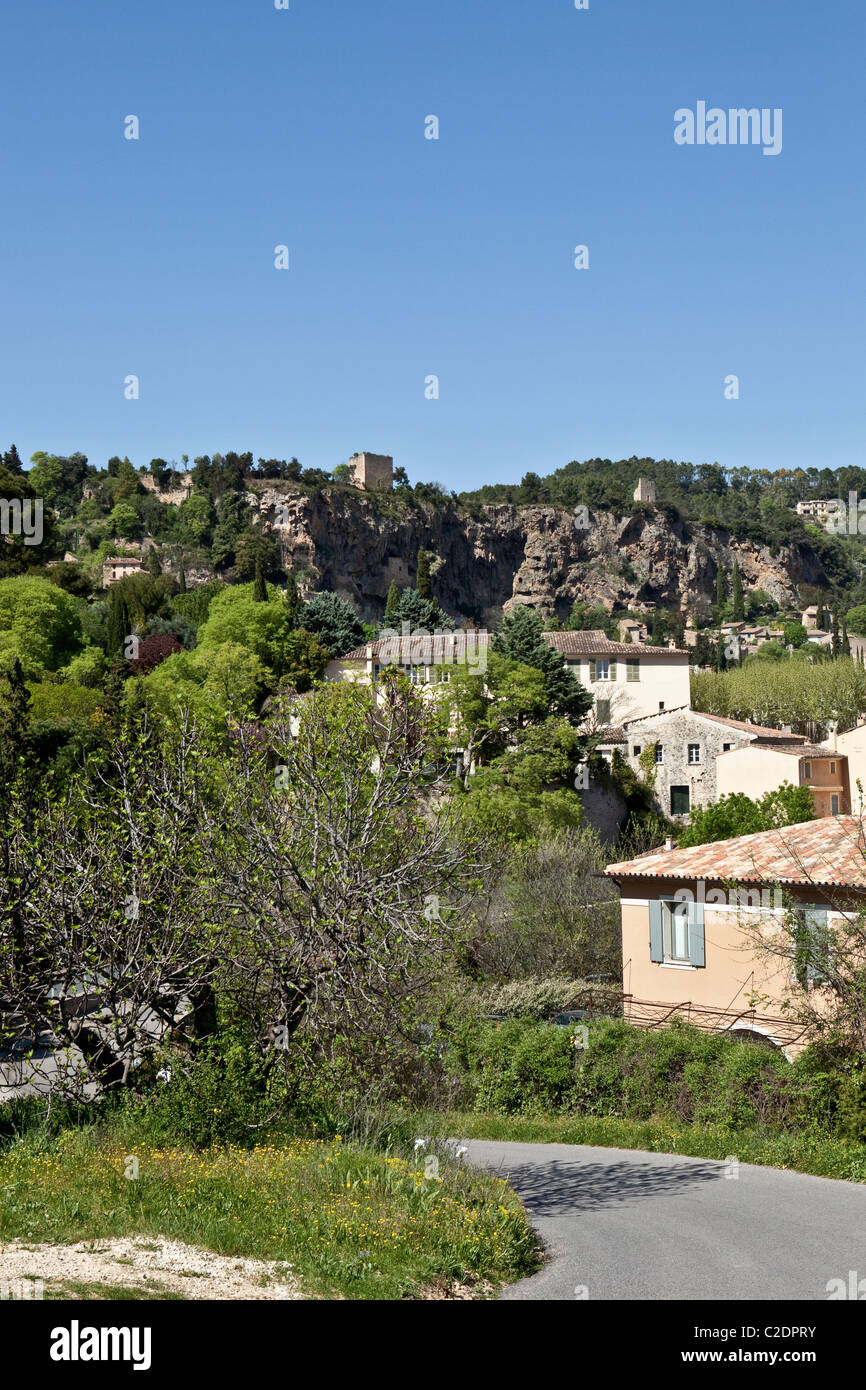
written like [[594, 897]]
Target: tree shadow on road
[[560, 1189]]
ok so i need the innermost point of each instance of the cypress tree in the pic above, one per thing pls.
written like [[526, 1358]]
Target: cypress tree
[[835, 643], [720, 653], [822, 616], [392, 605], [181, 579], [423, 584], [260, 588], [154, 568], [721, 591], [739, 610], [846, 645], [293, 602], [118, 626]]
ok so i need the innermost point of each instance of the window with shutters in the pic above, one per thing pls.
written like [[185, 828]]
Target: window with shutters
[[675, 932], [602, 670], [632, 671], [812, 942], [677, 936]]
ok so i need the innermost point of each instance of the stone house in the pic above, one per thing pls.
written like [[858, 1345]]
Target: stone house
[[118, 567], [688, 744]]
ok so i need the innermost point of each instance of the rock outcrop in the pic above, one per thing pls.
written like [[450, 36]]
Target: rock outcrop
[[495, 556]]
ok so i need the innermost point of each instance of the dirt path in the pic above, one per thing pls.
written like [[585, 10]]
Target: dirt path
[[155, 1266]]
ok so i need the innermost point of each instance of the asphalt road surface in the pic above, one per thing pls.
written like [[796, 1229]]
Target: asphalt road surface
[[619, 1224]]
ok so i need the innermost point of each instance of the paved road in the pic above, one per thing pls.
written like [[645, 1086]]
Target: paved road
[[628, 1225]]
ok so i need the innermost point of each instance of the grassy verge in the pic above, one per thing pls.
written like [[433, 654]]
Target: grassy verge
[[359, 1224], [801, 1152]]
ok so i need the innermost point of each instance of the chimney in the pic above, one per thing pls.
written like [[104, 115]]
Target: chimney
[[669, 844]]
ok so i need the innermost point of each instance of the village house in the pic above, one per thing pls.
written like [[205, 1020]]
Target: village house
[[625, 683], [764, 766], [625, 679], [687, 745], [690, 919], [118, 567], [852, 746]]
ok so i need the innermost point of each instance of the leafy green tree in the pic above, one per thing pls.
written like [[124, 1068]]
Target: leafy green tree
[[334, 622], [738, 814], [521, 639], [855, 619], [197, 514], [125, 521], [40, 624], [421, 614], [795, 634]]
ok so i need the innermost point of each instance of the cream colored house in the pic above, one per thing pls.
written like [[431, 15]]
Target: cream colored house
[[690, 919], [760, 768], [627, 680]]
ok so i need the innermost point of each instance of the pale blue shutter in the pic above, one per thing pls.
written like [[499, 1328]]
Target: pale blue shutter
[[612, 671], [657, 950], [697, 947]]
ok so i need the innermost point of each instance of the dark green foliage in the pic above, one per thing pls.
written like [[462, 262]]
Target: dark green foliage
[[738, 814], [334, 621], [521, 639], [260, 588], [423, 584]]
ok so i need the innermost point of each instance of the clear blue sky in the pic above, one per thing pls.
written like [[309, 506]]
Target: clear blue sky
[[412, 257]]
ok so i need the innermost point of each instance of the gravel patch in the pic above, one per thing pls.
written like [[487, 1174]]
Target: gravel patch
[[133, 1261]]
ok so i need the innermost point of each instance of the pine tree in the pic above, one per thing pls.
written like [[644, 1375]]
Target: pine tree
[[739, 609], [127, 481], [392, 605], [293, 601], [260, 588], [423, 584], [12, 460]]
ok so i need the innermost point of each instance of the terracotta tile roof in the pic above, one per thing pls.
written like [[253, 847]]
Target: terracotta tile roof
[[830, 851], [595, 643], [796, 750], [761, 732], [431, 649]]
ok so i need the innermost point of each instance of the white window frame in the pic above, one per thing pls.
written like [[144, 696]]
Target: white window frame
[[696, 748]]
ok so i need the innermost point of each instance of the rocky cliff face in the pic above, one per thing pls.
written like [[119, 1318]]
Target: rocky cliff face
[[539, 556]]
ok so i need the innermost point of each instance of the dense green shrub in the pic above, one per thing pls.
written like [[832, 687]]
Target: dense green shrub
[[683, 1073]]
